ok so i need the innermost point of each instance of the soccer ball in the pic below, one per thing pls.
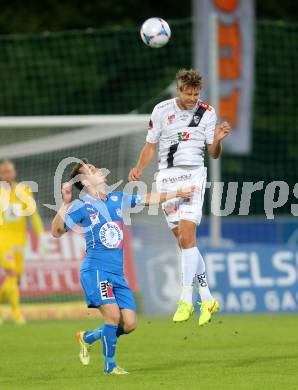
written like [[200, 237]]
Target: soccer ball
[[155, 32]]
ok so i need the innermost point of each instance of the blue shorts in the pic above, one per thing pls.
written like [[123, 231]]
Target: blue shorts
[[101, 287]]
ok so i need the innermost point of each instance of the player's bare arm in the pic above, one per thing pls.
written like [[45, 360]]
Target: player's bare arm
[[146, 156], [222, 131], [58, 228], [160, 197]]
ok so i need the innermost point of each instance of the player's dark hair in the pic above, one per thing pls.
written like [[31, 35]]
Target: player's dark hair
[[76, 171], [186, 78]]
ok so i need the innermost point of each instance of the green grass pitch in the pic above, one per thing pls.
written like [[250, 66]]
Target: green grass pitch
[[232, 352]]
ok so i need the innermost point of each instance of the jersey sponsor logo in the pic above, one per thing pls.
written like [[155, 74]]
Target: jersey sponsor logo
[[183, 136], [111, 235], [94, 218], [119, 212], [106, 290], [114, 198], [171, 118], [176, 179]]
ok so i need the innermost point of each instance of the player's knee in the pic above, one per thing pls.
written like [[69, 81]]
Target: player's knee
[[186, 240], [130, 325], [112, 317], [115, 319]]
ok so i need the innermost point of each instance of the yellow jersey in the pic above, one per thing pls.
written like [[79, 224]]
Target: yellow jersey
[[16, 204]]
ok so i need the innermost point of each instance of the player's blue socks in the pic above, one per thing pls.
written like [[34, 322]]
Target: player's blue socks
[[92, 335], [109, 341], [120, 331], [95, 334]]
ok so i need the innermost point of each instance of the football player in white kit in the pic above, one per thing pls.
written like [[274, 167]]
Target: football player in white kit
[[183, 126]]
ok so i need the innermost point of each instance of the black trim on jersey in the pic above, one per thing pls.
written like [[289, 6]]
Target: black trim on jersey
[[170, 159], [196, 119]]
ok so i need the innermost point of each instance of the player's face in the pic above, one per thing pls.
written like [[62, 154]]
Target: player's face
[[93, 175], [7, 172], [187, 97]]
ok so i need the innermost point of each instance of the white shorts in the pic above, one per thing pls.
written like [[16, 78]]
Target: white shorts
[[177, 178]]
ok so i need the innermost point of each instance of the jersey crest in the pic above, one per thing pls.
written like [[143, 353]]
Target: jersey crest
[[111, 235]]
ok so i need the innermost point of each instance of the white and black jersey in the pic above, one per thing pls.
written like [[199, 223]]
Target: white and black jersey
[[182, 134]]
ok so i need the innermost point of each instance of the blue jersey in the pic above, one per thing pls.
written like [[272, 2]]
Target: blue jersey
[[103, 225]]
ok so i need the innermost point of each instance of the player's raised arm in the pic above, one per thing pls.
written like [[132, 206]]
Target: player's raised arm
[[160, 197], [146, 156], [58, 226]]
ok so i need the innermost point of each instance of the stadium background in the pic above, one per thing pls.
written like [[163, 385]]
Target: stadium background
[[73, 57], [77, 65]]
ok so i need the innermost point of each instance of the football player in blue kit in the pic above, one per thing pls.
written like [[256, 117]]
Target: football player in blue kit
[[100, 215]]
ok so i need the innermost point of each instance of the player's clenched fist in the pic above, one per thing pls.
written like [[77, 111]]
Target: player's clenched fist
[[66, 192], [134, 174]]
